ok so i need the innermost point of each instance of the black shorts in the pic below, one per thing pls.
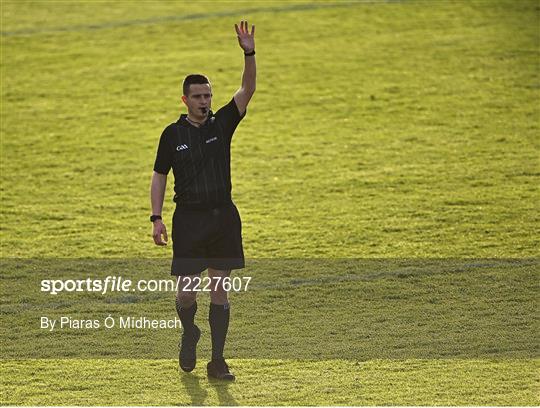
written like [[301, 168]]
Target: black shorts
[[206, 239]]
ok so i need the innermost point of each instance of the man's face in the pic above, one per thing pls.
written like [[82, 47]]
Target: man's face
[[199, 100]]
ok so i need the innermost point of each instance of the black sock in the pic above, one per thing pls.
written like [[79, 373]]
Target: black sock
[[218, 317], [187, 316]]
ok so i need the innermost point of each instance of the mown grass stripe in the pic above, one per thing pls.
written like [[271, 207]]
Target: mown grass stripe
[[272, 382], [189, 17], [368, 272]]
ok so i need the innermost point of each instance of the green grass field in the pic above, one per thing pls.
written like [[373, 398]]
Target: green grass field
[[386, 173]]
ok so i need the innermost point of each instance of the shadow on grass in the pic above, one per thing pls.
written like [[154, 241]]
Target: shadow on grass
[[198, 394], [222, 390], [193, 388]]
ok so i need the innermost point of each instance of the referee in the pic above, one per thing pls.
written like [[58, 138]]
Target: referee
[[206, 226]]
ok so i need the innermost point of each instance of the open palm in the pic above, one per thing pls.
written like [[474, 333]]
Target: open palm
[[245, 38]]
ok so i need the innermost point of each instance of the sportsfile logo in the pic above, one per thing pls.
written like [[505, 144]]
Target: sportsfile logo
[[121, 284], [181, 147]]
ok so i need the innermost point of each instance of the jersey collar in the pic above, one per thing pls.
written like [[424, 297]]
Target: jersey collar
[[184, 122]]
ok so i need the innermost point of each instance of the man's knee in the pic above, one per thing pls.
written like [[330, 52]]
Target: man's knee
[[218, 295], [218, 299], [185, 296], [186, 299]]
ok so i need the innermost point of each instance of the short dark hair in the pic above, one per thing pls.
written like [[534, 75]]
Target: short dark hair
[[193, 79]]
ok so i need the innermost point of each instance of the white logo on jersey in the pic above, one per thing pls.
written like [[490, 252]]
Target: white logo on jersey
[[181, 147], [212, 139]]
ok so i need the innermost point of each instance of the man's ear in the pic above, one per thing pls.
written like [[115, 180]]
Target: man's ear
[[184, 99]]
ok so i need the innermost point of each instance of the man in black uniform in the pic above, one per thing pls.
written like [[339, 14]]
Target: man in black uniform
[[206, 224]]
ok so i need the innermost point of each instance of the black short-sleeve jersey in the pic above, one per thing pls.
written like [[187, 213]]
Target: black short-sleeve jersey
[[200, 158]]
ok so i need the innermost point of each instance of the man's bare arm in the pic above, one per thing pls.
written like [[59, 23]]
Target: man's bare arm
[[246, 40], [157, 194]]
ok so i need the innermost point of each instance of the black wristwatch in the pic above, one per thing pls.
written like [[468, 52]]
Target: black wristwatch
[[249, 54], [155, 217]]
